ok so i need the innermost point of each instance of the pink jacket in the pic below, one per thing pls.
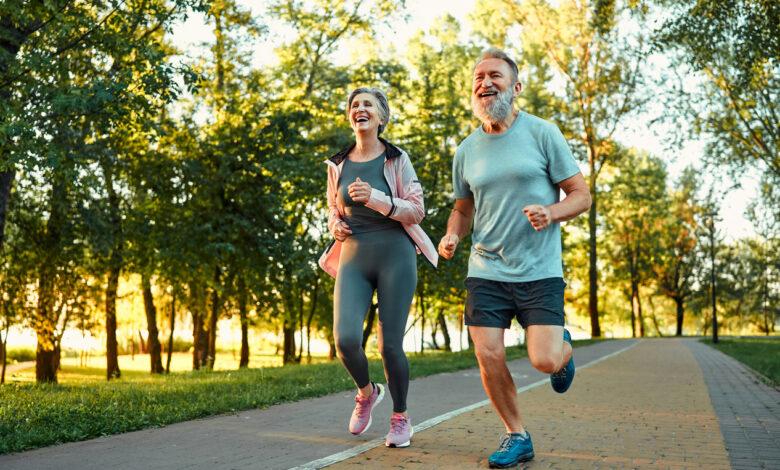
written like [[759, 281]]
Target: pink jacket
[[405, 204]]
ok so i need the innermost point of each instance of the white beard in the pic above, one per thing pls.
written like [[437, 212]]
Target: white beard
[[496, 111]]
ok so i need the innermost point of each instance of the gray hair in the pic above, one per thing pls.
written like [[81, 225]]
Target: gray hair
[[381, 98], [493, 53]]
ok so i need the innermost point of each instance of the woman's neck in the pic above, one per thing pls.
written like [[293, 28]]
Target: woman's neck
[[366, 147]]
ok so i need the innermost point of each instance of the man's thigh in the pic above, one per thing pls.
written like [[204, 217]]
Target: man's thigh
[[539, 302], [544, 342]]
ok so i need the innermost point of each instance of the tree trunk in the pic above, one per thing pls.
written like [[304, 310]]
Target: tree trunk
[[311, 316], [445, 332], [112, 352], [45, 325], [6, 181], [331, 350], [3, 351], [242, 315], [593, 277], [636, 306], [653, 317], [288, 355], [170, 337], [152, 341], [680, 313], [213, 317], [369, 325]]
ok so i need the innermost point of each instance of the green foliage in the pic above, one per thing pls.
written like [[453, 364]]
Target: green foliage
[[759, 354], [20, 354], [734, 47]]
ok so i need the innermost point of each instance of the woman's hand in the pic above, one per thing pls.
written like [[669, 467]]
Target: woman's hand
[[341, 231], [359, 191]]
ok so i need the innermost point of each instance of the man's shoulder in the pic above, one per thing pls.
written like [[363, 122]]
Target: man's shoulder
[[533, 121], [468, 142]]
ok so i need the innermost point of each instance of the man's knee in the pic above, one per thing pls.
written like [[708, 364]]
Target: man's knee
[[490, 354], [545, 363]]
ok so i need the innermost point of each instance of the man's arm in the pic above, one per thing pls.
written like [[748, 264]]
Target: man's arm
[[458, 226], [576, 202]]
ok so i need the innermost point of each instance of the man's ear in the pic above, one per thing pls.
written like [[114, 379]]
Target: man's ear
[[518, 88]]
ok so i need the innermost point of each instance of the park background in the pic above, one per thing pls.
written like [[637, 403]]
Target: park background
[[162, 186]]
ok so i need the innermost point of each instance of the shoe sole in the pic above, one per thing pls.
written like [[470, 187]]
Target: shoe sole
[[522, 458], [405, 444], [378, 399]]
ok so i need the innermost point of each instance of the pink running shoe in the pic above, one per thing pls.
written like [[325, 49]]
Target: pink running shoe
[[361, 417], [401, 431]]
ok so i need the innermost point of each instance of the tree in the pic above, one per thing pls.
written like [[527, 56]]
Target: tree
[[676, 262], [634, 209], [733, 47], [72, 72]]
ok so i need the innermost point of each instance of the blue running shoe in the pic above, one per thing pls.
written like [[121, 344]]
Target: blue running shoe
[[562, 379], [515, 448]]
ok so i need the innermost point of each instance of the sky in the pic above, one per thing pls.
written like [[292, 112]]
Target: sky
[[638, 132]]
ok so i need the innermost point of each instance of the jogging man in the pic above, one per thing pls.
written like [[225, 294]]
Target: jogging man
[[506, 179]]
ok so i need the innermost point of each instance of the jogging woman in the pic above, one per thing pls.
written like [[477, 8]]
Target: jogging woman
[[375, 205]]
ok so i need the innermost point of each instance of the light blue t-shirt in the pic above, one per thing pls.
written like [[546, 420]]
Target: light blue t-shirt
[[506, 172]]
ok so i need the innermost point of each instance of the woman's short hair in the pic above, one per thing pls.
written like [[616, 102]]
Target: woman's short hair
[[493, 53], [381, 98]]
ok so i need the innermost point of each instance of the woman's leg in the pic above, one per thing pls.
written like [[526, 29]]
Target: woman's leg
[[351, 299], [396, 285]]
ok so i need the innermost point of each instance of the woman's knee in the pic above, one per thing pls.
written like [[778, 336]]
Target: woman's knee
[[348, 346]]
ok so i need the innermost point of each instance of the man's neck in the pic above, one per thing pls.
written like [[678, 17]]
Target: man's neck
[[501, 126]]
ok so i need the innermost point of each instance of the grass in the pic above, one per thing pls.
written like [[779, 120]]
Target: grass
[[36, 415], [760, 354]]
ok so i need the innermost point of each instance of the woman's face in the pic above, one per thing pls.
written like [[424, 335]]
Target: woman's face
[[364, 114]]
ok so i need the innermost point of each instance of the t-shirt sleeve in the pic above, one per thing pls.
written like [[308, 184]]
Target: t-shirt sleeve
[[460, 187], [560, 161]]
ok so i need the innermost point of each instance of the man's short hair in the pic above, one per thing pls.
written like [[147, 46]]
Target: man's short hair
[[493, 53], [381, 98]]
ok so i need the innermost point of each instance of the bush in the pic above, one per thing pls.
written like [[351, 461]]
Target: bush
[[20, 354]]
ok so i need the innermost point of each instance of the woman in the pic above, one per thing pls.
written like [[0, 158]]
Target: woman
[[375, 205]]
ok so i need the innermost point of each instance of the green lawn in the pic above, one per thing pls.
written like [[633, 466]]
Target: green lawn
[[761, 354], [85, 407]]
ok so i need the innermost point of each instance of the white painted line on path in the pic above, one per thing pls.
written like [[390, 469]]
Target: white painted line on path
[[365, 447]]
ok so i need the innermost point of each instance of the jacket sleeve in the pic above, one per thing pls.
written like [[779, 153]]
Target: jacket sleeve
[[408, 207], [333, 211]]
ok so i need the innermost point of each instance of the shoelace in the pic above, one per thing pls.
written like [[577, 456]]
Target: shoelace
[[507, 443], [362, 407], [397, 424]]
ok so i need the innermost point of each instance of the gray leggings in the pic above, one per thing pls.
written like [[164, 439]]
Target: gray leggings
[[384, 261]]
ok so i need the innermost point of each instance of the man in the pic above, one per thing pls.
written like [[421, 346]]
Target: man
[[506, 180]]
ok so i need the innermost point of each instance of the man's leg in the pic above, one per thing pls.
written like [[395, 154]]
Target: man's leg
[[496, 378], [547, 350]]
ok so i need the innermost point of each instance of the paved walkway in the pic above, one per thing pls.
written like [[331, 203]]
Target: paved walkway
[[658, 403]]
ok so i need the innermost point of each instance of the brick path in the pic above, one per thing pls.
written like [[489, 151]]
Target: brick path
[[646, 408], [748, 410]]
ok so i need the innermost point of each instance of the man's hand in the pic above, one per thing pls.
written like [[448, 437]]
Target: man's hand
[[448, 244], [359, 191], [341, 231], [539, 216]]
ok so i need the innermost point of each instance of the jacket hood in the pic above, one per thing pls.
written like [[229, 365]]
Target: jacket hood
[[392, 152]]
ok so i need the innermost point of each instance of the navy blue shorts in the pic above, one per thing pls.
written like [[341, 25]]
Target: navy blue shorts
[[495, 303]]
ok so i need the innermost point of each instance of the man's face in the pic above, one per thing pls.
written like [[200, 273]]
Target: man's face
[[492, 90]]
